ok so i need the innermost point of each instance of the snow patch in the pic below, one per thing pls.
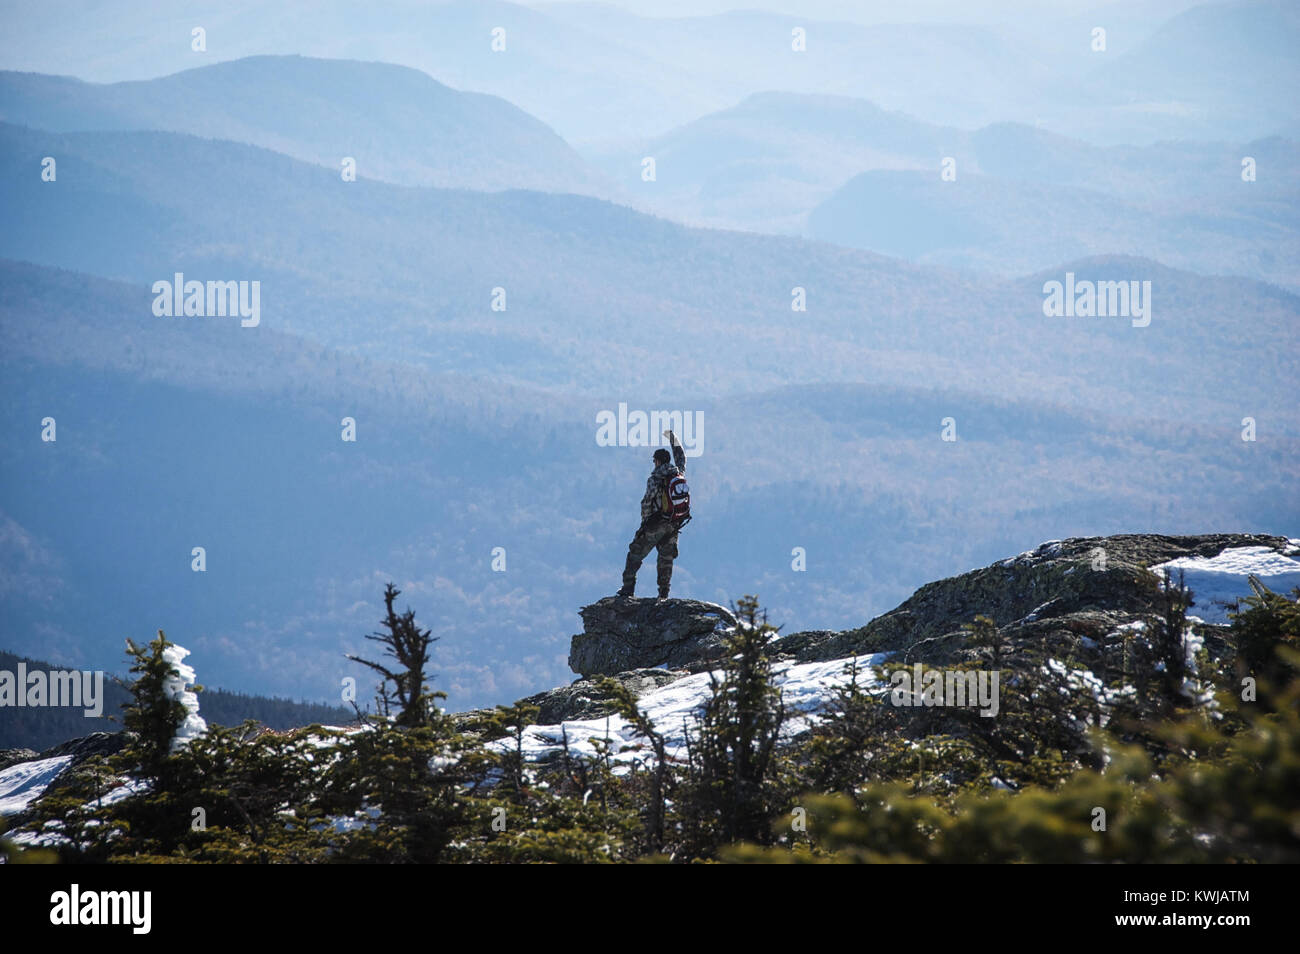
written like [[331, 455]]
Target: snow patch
[[1215, 581], [363, 818], [672, 710], [22, 784], [129, 788], [1085, 680]]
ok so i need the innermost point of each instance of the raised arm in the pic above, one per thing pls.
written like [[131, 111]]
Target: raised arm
[[679, 454]]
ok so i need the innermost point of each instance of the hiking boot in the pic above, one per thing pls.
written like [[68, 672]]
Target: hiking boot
[[624, 593], [663, 592]]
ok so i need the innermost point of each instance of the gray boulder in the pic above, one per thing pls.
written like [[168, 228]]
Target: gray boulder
[[10, 757], [583, 699], [86, 747], [622, 634]]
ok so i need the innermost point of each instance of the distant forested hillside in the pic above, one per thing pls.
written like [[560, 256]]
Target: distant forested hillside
[[42, 727], [209, 434], [476, 427], [395, 123], [594, 72]]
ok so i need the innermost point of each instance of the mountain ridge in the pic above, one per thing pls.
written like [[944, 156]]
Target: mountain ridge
[[399, 124], [623, 638]]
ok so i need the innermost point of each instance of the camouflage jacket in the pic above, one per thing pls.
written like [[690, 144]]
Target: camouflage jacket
[[652, 502]]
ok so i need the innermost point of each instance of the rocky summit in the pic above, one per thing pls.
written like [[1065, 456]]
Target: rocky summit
[[1073, 597], [1063, 588], [1069, 587], [620, 634]]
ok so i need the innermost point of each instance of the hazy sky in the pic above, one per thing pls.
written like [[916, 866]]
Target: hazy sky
[[894, 11]]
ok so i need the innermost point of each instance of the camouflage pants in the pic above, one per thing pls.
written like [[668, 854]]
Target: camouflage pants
[[654, 534]]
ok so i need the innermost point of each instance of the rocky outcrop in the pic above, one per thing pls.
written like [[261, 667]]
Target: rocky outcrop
[[1083, 586], [623, 634], [1067, 593], [97, 743], [10, 757], [583, 699]]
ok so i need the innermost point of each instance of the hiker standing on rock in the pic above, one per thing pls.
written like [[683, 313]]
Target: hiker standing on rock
[[665, 508]]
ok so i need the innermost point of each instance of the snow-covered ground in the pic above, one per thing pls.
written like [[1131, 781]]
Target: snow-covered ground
[[1215, 581], [671, 709], [23, 783], [20, 784]]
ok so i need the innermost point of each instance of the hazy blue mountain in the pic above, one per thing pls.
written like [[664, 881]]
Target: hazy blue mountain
[[764, 163], [945, 73], [597, 74], [594, 290], [846, 171], [1171, 171], [549, 68], [1066, 35], [1228, 64], [476, 429], [1007, 226], [398, 124], [172, 436]]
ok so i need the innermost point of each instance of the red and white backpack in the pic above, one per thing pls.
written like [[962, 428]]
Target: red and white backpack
[[677, 499]]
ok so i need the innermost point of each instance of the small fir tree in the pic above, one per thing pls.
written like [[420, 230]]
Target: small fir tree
[[404, 687]]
